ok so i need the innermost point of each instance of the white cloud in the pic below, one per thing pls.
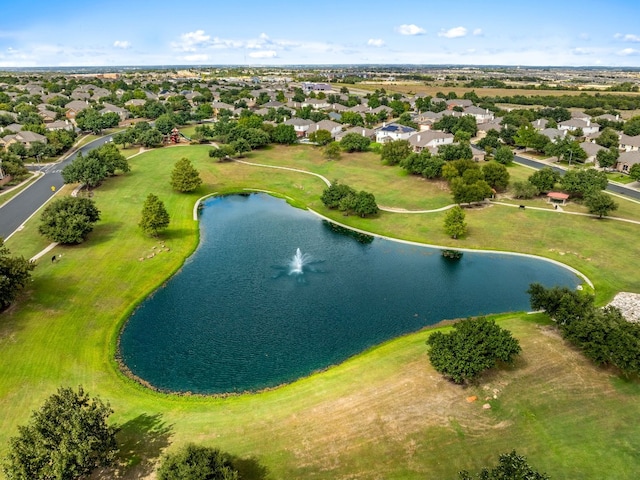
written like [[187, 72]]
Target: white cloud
[[628, 51], [191, 40], [455, 32], [478, 32], [263, 54], [582, 51], [375, 42], [124, 44], [629, 37], [411, 29]]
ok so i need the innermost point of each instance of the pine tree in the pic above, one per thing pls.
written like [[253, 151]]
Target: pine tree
[[154, 216], [185, 178]]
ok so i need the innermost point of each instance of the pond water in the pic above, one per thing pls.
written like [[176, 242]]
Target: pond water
[[274, 293]]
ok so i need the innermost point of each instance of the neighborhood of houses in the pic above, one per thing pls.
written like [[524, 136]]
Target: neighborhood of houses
[[58, 109]]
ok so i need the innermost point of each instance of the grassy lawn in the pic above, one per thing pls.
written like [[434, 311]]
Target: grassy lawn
[[382, 414], [620, 177]]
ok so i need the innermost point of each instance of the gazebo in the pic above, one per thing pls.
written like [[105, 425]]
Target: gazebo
[[557, 198]]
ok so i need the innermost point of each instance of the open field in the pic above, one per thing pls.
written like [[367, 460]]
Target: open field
[[382, 414]]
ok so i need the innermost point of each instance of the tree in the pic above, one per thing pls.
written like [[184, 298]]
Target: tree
[[352, 118], [511, 466], [223, 152], [600, 203], [332, 195], [67, 438], [525, 136], [607, 158], [154, 216], [353, 142], [566, 149], [608, 138], [454, 224], [504, 155], [582, 182], [365, 204], [151, 138], [524, 190], [451, 152], [165, 123], [90, 120], [473, 346], [284, 134], [69, 219], [332, 151], [15, 273], [184, 177], [321, 137], [393, 152], [544, 179], [496, 175], [88, 170], [634, 171], [632, 126], [194, 462]]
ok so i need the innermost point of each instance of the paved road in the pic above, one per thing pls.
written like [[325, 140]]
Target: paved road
[[612, 187], [20, 208]]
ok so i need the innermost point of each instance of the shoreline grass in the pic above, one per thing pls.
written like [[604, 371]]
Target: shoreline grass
[[382, 413]]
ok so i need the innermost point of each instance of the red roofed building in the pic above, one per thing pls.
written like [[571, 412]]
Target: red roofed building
[[557, 198]]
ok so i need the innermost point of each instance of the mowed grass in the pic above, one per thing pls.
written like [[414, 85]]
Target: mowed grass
[[382, 414]]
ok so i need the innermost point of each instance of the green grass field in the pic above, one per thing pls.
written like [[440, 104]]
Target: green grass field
[[384, 413]]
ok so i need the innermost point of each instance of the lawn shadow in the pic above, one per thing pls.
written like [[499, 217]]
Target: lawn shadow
[[249, 468], [141, 442], [175, 234]]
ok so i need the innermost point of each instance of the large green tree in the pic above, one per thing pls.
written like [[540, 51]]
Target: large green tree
[[69, 219], [284, 134], [194, 462], [473, 346], [544, 179], [66, 439], [511, 466], [353, 142], [395, 151], [15, 273], [583, 182], [607, 158], [154, 216], [600, 203], [185, 177], [496, 175]]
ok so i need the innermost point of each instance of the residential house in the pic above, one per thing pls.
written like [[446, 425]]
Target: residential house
[[25, 137], [458, 102], [74, 107], [393, 131], [46, 114], [627, 160], [429, 139], [579, 115], [59, 125], [591, 150], [329, 125], [587, 126], [300, 125], [108, 108], [308, 87], [540, 124], [316, 103], [11, 128], [217, 106], [483, 128], [553, 133], [481, 115], [370, 133], [479, 155], [629, 144]]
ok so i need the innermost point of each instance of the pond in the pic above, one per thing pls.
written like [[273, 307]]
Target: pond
[[274, 293]]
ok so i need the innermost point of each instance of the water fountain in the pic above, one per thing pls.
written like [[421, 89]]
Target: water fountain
[[298, 262]]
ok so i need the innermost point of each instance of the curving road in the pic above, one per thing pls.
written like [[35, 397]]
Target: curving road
[[23, 206], [612, 187]]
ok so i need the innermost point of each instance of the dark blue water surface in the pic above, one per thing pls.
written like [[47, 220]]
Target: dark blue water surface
[[235, 318]]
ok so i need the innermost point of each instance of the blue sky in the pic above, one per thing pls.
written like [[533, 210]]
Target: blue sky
[[276, 32]]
